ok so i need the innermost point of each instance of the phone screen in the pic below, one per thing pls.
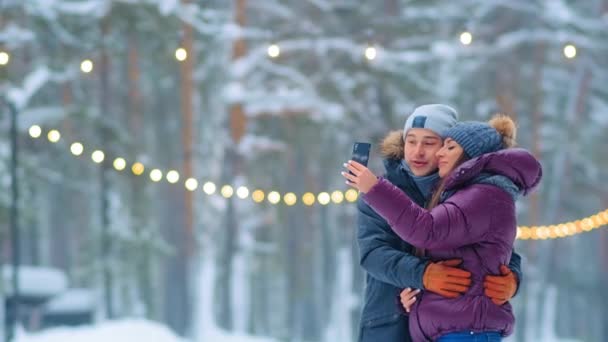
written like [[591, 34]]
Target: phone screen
[[361, 152]]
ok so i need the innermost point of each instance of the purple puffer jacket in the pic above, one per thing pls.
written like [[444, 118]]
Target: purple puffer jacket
[[477, 224]]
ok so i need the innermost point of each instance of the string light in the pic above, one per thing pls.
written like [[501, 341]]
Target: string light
[[308, 198], [370, 53], [4, 58], [323, 198], [351, 195], [570, 51], [156, 175], [191, 184], [181, 54], [274, 51], [86, 66], [290, 199], [119, 164], [258, 196], [227, 191], [76, 148], [209, 188], [98, 156], [54, 136], [274, 197], [35, 131], [172, 177], [138, 169], [242, 192], [466, 38], [561, 230], [337, 197]]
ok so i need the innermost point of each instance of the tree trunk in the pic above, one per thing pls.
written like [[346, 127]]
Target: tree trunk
[[104, 105], [232, 167], [179, 287], [187, 105], [143, 263]]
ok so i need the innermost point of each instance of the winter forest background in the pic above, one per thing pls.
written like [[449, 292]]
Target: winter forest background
[[270, 95]]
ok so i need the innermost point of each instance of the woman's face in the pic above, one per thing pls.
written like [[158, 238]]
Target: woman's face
[[447, 156]]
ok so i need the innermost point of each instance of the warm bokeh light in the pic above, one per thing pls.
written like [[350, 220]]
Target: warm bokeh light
[[35, 131], [172, 176], [156, 175], [371, 53], [290, 199], [227, 191], [570, 51], [323, 198], [351, 195], [308, 198], [86, 66], [191, 184], [337, 196], [209, 188], [181, 54], [242, 192], [138, 169], [54, 136], [258, 196], [274, 197], [76, 148], [98, 156], [274, 50], [466, 38], [120, 164], [4, 58]]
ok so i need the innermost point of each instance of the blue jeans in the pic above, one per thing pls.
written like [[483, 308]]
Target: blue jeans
[[468, 336]]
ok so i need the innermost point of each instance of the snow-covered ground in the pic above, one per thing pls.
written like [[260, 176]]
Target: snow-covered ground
[[126, 331], [115, 331]]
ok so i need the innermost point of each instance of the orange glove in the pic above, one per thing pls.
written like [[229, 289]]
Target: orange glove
[[445, 279], [501, 288]]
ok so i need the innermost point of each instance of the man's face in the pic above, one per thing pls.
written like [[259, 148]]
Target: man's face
[[420, 148]]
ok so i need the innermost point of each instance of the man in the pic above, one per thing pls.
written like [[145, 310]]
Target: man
[[390, 263]]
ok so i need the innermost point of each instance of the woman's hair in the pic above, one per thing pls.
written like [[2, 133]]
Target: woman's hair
[[505, 126], [437, 193]]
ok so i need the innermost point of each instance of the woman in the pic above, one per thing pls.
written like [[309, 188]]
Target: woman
[[471, 216]]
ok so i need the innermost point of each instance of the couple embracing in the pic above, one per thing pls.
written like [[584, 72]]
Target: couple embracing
[[436, 231]]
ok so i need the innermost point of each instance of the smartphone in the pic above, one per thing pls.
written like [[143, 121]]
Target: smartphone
[[361, 152]]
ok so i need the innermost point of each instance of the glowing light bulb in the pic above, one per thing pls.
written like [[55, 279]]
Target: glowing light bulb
[[466, 38], [156, 175], [371, 53], [35, 131], [98, 156], [570, 51], [274, 50], [181, 54], [191, 184], [120, 164], [209, 188], [76, 148], [86, 66], [54, 136]]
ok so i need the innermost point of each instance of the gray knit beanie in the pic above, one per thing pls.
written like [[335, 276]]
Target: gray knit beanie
[[435, 117]]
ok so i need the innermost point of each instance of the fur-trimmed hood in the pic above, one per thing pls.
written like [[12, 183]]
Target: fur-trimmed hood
[[391, 151], [392, 145]]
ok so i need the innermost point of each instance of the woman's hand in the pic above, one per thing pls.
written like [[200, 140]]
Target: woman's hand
[[408, 297], [361, 178]]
